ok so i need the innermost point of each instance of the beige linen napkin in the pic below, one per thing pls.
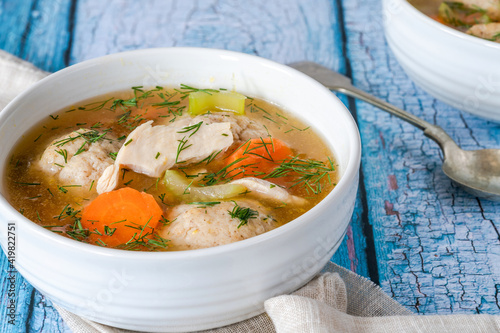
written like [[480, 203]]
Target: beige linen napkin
[[335, 301], [15, 76]]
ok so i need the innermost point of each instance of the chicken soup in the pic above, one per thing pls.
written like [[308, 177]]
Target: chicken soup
[[480, 18], [168, 169]]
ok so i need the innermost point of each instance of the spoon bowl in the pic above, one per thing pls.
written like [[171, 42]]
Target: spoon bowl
[[476, 171]]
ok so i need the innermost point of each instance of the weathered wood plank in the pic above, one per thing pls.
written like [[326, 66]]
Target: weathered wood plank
[[48, 34], [352, 252], [37, 31], [285, 32], [12, 283], [14, 20], [438, 248]]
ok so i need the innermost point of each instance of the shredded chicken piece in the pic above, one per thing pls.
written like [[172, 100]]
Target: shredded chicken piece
[[489, 31], [243, 128], [269, 191], [151, 150]]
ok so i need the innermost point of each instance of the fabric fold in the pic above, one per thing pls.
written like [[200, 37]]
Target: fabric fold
[[16, 76]]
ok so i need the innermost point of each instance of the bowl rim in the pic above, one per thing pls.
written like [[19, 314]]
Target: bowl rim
[[481, 42], [350, 172]]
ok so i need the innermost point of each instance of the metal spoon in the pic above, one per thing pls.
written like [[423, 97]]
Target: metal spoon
[[477, 171]]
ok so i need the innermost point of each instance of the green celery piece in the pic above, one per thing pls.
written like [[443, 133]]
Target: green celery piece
[[201, 102], [179, 186]]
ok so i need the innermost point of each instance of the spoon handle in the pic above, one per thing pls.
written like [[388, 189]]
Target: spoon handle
[[338, 82], [433, 132], [360, 94]]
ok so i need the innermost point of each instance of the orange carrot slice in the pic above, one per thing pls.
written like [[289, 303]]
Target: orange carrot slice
[[121, 216], [257, 157]]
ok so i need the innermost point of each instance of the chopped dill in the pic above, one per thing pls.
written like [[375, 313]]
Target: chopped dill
[[63, 188], [210, 157], [185, 90], [182, 146], [193, 128], [308, 172], [91, 136], [186, 190], [204, 204], [165, 103], [63, 153], [27, 184], [96, 106], [109, 231], [282, 116], [157, 241], [100, 242], [303, 129], [243, 214], [270, 119]]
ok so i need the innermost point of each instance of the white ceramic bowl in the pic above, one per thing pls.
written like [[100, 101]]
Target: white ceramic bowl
[[456, 68], [187, 290]]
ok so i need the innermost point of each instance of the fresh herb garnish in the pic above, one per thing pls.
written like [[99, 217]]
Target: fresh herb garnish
[[193, 128], [308, 173], [63, 188], [183, 142], [27, 184], [204, 204], [185, 90], [243, 214], [63, 153]]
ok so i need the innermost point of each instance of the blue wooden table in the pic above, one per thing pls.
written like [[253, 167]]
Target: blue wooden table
[[430, 245]]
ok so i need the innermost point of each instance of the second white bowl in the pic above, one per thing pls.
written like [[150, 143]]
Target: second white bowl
[[456, 68]]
